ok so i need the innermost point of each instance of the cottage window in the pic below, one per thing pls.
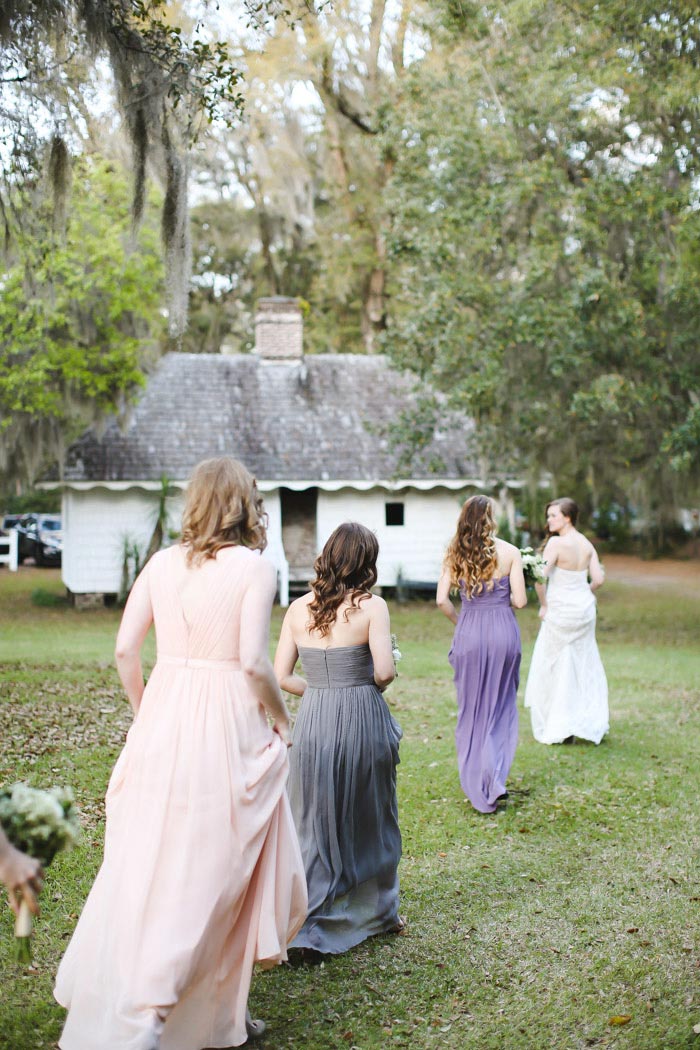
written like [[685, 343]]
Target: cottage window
[[393, 513]]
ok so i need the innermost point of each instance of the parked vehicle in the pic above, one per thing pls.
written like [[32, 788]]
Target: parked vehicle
[[9, 521], [40, 536]]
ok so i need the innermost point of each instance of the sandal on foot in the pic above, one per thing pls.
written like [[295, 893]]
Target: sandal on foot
[[400, 926], [255, 1029]]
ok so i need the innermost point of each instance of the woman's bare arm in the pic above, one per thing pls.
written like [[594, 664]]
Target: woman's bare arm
[[254, 642], [518, 591], [136, 621], [286, 658], [442, 598], [595, 571], [380, 642]]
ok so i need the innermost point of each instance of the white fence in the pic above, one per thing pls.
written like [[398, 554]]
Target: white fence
[[8, 550]]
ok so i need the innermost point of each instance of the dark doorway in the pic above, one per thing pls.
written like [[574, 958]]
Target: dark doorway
[[299, 531]]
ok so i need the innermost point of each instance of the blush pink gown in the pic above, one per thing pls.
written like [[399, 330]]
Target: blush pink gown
[[202, 873]]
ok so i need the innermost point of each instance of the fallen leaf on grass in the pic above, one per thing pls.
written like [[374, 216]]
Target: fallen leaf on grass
[[633, 929], [620, 1019], [696, 1029]]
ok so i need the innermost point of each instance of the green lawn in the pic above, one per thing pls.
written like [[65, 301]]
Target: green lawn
[[528, 930]]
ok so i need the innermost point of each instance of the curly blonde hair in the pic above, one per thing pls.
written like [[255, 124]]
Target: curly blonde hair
[[223, 508], [471, 557], [347, 566]]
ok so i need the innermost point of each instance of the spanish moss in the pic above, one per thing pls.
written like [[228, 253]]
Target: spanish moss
[[59, 174]]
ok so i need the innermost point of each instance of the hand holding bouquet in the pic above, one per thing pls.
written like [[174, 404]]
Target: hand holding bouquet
[[39, 823], [534, 566]]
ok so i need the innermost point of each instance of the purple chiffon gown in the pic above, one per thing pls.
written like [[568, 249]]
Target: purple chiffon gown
[[485, 655]]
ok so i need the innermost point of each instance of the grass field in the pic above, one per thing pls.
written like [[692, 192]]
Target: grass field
[[569, 920]]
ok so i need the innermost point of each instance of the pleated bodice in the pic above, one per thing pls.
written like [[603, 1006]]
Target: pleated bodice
[[498, 595], [337, 667]]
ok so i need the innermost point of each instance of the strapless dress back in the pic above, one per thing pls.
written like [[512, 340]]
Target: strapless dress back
[[337, 667], [342, 787]]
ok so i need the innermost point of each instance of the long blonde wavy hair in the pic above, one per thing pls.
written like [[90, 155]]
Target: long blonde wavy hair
[[345, 568], [223, 508], [471, 557]]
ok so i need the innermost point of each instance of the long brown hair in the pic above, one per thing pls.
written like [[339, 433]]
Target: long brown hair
[[471, 557], [346, 567], [223, 508]]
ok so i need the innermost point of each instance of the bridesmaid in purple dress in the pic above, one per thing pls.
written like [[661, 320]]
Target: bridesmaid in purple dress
[[485, 652]]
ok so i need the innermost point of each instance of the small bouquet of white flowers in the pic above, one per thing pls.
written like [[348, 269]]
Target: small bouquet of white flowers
[[534, 566], [396, 653], [40, 823]]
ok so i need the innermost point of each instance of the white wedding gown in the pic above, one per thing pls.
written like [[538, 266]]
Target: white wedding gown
[[567, 691]]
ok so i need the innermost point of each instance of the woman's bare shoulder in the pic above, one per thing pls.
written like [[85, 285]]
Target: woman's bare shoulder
[[375, 608], [504, 547], [300, 605], [588, 546], [165, 560], [298, 612]]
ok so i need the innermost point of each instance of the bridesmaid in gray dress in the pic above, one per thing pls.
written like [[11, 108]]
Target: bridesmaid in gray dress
[[485, 652], [342, 781]]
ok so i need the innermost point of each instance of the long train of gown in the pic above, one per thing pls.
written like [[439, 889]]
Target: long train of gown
[[567, 691], [342, 789], [485, 656], [202, 874]]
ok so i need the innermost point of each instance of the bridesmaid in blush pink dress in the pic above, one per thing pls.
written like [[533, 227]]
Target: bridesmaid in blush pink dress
[[202, 875]]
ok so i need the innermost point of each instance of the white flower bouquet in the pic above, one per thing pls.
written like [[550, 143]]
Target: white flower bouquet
[[40, 823], [534, 566], [396, 652]]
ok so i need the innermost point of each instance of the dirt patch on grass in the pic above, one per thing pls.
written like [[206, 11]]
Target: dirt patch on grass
[[683, 576]]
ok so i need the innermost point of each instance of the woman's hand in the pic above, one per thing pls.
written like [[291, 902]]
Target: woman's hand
[[284, 730], [22, 876], [543, 612]]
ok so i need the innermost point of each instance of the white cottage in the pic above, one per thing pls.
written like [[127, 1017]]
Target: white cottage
[[312, 429]]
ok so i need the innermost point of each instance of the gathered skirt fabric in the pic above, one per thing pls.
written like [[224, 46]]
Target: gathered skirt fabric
[[202, 875], [342, 789], [567, 690], [485, 656]]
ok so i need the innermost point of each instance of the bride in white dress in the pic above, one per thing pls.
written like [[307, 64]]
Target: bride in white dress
[[567, 691]]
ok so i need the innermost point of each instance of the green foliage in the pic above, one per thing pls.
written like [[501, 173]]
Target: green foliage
[[544, 268], [40, 501], [230, 274], [79, 317], [48, 599]]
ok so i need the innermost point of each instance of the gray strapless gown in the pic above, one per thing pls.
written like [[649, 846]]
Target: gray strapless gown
[[342, 787]]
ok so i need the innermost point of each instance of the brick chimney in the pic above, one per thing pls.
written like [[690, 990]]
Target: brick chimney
[[279, 329]]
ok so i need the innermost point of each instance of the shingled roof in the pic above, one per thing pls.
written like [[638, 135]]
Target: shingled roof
[[319, 419]]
